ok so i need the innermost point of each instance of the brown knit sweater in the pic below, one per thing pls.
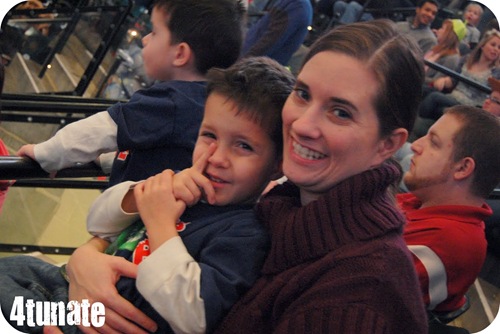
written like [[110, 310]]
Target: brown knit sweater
[[336, 265]]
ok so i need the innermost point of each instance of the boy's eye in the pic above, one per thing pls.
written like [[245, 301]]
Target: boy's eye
[[245, 146], [207, 134]]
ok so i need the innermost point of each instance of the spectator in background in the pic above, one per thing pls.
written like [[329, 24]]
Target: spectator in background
[[280, 31], [419, 26], [453, 170], [472, 16], [445, 52], [478, 65], [492, 102]]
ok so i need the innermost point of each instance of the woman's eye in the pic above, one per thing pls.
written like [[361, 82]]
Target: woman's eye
[[302, 94], [341, 113]]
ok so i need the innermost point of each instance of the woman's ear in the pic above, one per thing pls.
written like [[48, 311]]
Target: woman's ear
[[392, 143], [183, 55]]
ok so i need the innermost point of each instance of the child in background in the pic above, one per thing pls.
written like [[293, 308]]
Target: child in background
[[158, 127], [219, 247], [472, 16]]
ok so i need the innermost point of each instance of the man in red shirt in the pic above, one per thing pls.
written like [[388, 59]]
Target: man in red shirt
[[453, 170]]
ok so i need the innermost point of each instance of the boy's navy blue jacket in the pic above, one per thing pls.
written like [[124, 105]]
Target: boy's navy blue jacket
[[229, 245], [157, 129]]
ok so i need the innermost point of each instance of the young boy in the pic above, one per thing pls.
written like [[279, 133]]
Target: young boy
[[193, 263], [472, 16], [157, 128]]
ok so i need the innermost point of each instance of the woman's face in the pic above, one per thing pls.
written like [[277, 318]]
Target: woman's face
[[491, 49], [330, 126], [441, 33]]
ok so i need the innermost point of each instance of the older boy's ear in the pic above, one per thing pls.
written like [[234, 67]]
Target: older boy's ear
[[464, 168], [183, 55]]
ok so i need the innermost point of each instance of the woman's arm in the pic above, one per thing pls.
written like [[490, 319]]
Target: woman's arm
[[93, 276]]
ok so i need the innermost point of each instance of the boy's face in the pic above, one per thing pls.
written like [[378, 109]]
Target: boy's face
[[245, 157], [158, 52], [472, 15]]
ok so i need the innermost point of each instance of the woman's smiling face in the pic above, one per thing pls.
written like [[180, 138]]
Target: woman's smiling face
[[330, 125]]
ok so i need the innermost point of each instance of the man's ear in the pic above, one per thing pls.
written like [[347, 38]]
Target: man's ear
[[392, 143], [464, 168], [183, 55]]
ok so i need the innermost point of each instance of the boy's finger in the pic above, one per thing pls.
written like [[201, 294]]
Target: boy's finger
[[207, 187], [200, 164]]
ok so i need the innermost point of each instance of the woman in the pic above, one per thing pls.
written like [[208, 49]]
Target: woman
[[445, 52], [337, 262], [479, 65]]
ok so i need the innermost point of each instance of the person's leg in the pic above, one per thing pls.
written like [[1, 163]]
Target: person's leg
[[24, 278], [432, 105], [352, 13], [339, 8]]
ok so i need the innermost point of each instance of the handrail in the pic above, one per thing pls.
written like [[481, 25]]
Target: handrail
[[15, 168], [54, 103], [458, 76]]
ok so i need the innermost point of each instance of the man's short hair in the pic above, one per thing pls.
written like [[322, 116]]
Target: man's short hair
[[421, 3], [478, 139]]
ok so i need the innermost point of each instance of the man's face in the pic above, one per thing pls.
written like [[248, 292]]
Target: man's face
[[432, 163], [426, 14], [492, 104]]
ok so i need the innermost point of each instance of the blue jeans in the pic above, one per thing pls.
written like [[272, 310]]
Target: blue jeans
[[350, 12], [31, 278]]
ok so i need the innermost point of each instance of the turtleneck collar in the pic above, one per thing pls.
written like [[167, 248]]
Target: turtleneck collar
[[356, 209]]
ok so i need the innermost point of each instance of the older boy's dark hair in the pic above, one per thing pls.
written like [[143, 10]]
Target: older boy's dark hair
[[259, 87], [478, 138], [212, 28]]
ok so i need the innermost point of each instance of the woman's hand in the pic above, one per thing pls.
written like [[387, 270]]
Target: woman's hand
[[442, 83], [93, 276]]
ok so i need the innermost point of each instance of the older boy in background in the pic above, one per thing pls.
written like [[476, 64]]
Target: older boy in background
[[158, 127]]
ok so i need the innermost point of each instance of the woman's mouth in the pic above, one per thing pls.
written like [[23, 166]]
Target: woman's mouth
[[306, 153]]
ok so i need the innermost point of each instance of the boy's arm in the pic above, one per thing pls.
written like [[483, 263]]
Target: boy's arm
[[82, 141], [111, 212], [193, 295]]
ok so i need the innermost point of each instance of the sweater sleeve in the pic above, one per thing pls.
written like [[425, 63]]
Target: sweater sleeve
[[338, 319], [79, 142]]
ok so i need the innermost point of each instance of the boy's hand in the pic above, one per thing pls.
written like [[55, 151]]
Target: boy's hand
[[190, 184], [158, 207], [27, 151]]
